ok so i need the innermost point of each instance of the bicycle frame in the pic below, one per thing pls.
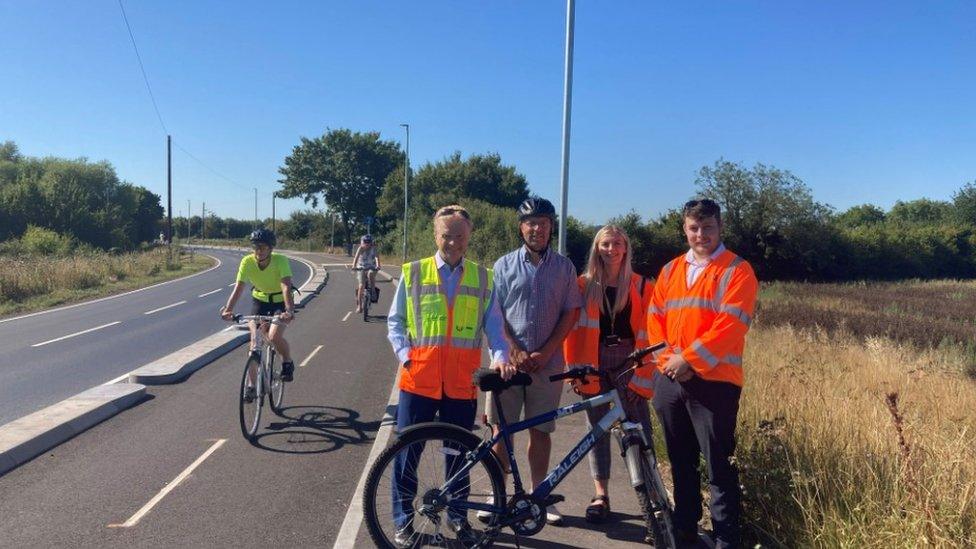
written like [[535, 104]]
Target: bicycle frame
[[558, 473]]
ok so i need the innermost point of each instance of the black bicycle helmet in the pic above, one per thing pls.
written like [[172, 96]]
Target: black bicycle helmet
[[367, 239], [534, 207], [264, 236]]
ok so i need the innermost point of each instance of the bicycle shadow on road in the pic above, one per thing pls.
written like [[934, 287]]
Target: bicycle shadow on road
[[618, 528], [376, 318], [314, 430]]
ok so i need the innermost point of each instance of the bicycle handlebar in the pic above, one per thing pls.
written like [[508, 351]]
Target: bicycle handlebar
[[260, 318], [364, 268], [580, 372]]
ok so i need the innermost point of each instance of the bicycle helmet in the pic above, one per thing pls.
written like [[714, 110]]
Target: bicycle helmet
[[367, 239], [534, 207], [264, 236]]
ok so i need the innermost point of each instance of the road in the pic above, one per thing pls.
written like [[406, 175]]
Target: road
[[50, 356]]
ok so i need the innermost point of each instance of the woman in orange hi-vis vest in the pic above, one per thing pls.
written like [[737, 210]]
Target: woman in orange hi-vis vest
[[702, 305], [611, 325]]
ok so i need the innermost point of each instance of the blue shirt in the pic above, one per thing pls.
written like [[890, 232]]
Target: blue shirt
[[450, 278], [534, 297]]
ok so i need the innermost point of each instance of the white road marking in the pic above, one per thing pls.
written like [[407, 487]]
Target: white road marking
[[232, 285], [116, 380], [309, 357], [44, 312], [134, 519], [171, 305], [345, 318], [354, 514], [210, 293], [78, 333]]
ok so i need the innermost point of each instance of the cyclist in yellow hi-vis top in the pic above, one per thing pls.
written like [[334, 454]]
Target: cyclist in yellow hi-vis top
[[270, 275]]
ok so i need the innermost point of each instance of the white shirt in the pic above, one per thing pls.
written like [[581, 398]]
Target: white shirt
[[696, 267]]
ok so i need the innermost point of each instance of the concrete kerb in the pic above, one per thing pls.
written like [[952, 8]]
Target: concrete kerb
[[177, 366], [24, 439]]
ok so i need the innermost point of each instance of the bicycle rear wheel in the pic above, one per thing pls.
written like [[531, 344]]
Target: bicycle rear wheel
[[251, 397], [276, 388], [401, 488], [367, 291], [655, 506]]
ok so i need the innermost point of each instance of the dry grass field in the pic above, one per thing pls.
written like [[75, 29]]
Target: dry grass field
[[31, 283], [858, 419]]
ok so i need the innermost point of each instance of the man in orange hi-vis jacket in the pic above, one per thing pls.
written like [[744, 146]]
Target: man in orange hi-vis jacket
[[702, 305]]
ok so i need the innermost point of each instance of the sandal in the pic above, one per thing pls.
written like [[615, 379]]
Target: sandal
[[598, 509]]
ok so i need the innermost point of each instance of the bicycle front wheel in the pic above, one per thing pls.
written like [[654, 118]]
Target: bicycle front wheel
[[251, 398], [366, 300], [401, 502], [655, 506], [276, 387]]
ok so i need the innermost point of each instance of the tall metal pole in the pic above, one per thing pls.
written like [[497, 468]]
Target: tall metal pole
[[567, 108], [203, 221], [406, 185], [255, 207], [169, 190], [332, 241]]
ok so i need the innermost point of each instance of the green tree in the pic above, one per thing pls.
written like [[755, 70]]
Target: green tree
[[921, 211], [347, 168], [964, 203], [771, 219], [453, 180], [865, 214]]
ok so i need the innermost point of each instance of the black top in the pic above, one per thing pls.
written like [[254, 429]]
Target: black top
[[621, 326]]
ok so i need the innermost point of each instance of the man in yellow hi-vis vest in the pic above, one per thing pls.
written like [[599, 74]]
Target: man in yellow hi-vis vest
[[442, 306]]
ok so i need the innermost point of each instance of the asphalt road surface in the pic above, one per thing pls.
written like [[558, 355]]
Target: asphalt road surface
[[53, 355]]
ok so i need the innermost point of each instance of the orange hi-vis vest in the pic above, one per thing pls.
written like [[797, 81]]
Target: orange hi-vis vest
[[582, 345], [706, 323], [445, 337]]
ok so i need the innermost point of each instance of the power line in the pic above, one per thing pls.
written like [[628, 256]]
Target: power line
[[142, 68], [211, 170]]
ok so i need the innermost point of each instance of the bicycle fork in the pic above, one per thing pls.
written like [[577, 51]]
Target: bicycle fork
[[632, 438]]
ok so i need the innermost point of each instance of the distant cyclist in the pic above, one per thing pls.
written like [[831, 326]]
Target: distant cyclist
[[270, 275], [365, 258]]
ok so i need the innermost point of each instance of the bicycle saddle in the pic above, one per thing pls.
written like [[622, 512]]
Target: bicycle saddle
[[491, 380]]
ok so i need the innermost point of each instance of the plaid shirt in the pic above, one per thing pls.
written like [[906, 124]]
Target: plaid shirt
[[534, 297]]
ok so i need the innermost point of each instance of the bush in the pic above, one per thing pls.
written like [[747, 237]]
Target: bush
[[41, 241]]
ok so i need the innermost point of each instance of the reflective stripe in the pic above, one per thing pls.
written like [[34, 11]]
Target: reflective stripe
[[430, 341], [736, 312], [482, 298], [734, 360], [586, 322], [653, 310], [460, 343], [415, 289], [667, 269], [723, 285], [641, 335], [704, 353], [642, 382], [689, 302]]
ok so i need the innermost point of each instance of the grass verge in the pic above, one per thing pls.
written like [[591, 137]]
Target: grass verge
[[34, 283]]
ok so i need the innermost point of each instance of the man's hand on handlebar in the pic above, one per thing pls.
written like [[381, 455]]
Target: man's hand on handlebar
[[505, 369], [227, 313]]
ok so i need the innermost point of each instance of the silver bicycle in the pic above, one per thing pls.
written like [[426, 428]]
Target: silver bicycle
[[262, 377]]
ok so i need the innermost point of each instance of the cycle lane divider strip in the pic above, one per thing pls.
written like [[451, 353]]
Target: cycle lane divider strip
[[211, 292], [134, 519], [309, 357], [23, 439], [89, 330]]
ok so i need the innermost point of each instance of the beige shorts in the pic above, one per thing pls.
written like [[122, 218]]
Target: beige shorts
[[536, 399]]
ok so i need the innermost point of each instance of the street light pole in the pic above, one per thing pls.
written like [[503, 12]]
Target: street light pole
[[406, 184], [567, 108], [255, 207]]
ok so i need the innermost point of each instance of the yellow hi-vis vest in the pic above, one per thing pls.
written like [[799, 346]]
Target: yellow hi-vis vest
[[445, 339]]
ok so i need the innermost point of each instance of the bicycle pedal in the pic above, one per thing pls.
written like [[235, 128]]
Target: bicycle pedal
[[553, 499]]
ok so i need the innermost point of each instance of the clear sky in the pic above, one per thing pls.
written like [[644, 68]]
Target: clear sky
[[864, 101]]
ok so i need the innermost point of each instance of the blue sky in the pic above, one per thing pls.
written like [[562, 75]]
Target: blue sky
[[865, 102]]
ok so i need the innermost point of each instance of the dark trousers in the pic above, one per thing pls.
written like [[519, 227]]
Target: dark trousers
[[413, 409], [699, 416]]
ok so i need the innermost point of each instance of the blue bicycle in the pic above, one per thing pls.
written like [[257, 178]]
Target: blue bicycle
[[421, 489]]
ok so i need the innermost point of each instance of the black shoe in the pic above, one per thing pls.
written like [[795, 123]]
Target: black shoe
[[466, 536], [254, 354], [287, 371], [404, 536]]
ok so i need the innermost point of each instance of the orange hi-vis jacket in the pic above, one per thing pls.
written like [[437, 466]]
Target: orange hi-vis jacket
[[582, 345], [706, 323]]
